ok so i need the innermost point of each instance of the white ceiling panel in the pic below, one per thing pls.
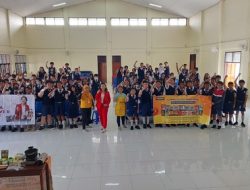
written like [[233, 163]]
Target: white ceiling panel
[[184, 8]]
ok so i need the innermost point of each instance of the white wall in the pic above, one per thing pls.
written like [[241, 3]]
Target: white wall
[[81, 45], [219, 29], [12, 34]]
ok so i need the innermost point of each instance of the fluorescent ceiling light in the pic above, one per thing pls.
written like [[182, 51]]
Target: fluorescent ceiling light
[[154, 5], [60, 4]]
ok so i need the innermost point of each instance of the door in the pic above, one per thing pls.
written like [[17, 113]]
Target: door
[[192, 61], [102, 68], [116, 64]]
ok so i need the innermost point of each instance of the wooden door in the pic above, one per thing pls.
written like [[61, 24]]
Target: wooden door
[[192, 61], [102, 68], [116, 64]]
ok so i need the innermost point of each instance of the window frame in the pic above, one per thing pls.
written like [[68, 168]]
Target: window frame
[[231, 62]]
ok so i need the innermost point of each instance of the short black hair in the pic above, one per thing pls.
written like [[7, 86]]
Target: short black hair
[[230, 83], [24, 98], [242, 81], [49, 81]]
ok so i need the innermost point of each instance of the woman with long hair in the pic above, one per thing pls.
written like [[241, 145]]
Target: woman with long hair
[[102, 104]]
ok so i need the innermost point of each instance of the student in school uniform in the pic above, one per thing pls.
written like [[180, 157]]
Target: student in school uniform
[[218, 101], [170, 87], [181, 89], [145, 104], [205, 90], [73, 107], [132, 108], [102, 104], [120, 107], [158, 90], [51, 70], [191, 90], [229, 103], [47, 95], [59, 97], [141, 73], [87, 102], [241, 101]]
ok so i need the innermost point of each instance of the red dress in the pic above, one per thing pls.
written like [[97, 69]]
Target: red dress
[[103, 106]]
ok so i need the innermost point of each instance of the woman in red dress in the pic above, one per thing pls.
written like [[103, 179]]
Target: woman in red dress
[[102, 104]]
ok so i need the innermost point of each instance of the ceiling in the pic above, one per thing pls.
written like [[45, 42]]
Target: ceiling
[[186, 8]]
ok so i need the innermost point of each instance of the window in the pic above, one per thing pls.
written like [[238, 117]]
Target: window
[[159, 22], [4, 64], [87, 21], [43, 21], [20, 64], [169, 22], [128, 22], [232, 65], [54, 21]]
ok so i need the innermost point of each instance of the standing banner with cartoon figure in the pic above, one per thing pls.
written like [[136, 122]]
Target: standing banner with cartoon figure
[[182, 109], [17, 110]]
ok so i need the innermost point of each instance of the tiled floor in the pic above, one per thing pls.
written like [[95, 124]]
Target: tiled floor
[[152, 159]]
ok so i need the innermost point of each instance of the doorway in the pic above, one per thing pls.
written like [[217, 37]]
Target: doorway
[[116, 64], [192, 61], [102, 68]]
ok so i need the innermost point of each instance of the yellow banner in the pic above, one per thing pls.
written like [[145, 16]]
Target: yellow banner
[[182, 109]]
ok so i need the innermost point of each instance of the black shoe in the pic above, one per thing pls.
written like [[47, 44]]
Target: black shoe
[[131, 128], [214, 126], [71, 126], [149, 126], [231, 123], [167, 125], [219, 127], [226, 123], [75, 126], [22, 130], [211, 122], [188, 125], [14, 129], [144, 126], [203, 126], [196, 125], [243, 124], [3, 128], [10, 128], [41, 128], [236, 123], [137, 127], [83, 127], [59, 126]]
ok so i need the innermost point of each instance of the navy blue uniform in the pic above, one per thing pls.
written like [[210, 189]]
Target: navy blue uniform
[[60, 102], [47, 103], [52, 71], [141, 74], [95, 87], [218, 101], [146, 103], [132, 106], [229, 101], [191, 91], [170, 90], [180, 91], [241, 94], [73, 107], [158, 92], [206, 92]]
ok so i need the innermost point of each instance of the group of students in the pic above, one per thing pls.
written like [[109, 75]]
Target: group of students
[[135, 91], [63, 96]]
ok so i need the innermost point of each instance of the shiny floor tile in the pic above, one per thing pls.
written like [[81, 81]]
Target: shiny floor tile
[[153, 159]]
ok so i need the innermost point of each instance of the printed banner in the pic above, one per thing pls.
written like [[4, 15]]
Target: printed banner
[[17, 110], [182, 109]]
